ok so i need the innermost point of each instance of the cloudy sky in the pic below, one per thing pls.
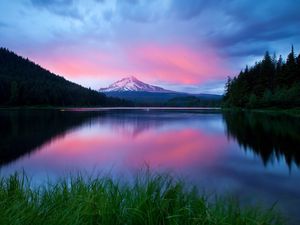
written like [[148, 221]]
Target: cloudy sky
[[184, 45]]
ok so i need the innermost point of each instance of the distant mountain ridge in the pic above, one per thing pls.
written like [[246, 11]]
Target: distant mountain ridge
[[131, 83], [132, 89]]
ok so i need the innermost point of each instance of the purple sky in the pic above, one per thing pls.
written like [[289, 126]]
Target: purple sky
[[182, 45]]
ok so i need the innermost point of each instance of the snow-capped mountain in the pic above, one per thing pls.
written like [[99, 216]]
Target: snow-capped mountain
[[132, 84]]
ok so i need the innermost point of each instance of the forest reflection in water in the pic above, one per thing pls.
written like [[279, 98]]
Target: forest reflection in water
[[252, 155], [271, 137]]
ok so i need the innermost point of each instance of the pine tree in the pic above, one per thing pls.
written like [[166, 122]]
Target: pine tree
[[227, 87], [291, 58], [279, 64], [298, 68], [291, 68], [279, 76], [270, 82]]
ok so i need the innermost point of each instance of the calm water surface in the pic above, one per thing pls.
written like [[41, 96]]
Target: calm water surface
[[253, 156]]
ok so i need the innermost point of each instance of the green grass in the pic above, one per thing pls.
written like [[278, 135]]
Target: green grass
[[150, 199]]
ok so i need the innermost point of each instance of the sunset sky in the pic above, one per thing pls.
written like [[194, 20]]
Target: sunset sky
[[183, 45]]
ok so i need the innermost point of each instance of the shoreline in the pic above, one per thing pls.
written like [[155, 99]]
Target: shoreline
[[112, 108], [271, 111]]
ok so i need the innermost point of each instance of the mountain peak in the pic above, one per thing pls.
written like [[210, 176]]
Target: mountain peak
[[131, 83], [130, 79]]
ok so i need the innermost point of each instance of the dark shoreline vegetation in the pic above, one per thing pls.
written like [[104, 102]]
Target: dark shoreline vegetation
[[150, 199], [271, 82], [173, 99], [294, 112]]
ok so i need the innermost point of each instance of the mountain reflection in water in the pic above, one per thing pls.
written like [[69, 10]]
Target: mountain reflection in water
[[251, 155]]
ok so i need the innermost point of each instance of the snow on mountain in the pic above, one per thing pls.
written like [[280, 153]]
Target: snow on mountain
[[132, 84]]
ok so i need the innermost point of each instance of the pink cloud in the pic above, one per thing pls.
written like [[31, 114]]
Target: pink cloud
[[177, 63], [152, 62], [76, 62]]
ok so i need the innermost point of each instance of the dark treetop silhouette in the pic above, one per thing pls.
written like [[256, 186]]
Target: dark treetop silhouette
[[270, 82]]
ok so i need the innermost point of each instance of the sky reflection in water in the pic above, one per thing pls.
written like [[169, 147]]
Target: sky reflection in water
[[200, 148]]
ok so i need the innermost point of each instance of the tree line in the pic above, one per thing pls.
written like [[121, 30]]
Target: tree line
[[24, 83], [271, 82], [192, 101]]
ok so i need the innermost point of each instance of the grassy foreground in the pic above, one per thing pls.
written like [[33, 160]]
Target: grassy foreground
[[150, 199]]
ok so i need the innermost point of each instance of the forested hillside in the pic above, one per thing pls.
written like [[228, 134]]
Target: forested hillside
[[24, 83], [272, 82]]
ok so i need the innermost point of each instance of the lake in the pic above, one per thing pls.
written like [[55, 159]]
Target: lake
[[253, 156]]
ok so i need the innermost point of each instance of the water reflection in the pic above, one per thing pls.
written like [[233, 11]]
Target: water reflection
[[23, 131], [156, 137], [233, 152], [272, 137]]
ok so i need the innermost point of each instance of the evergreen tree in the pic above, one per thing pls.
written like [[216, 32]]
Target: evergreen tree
[[279, 78], [291, 58], [270, 82], [298, 68], [291, 68], [227, 86], [266, 77]]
